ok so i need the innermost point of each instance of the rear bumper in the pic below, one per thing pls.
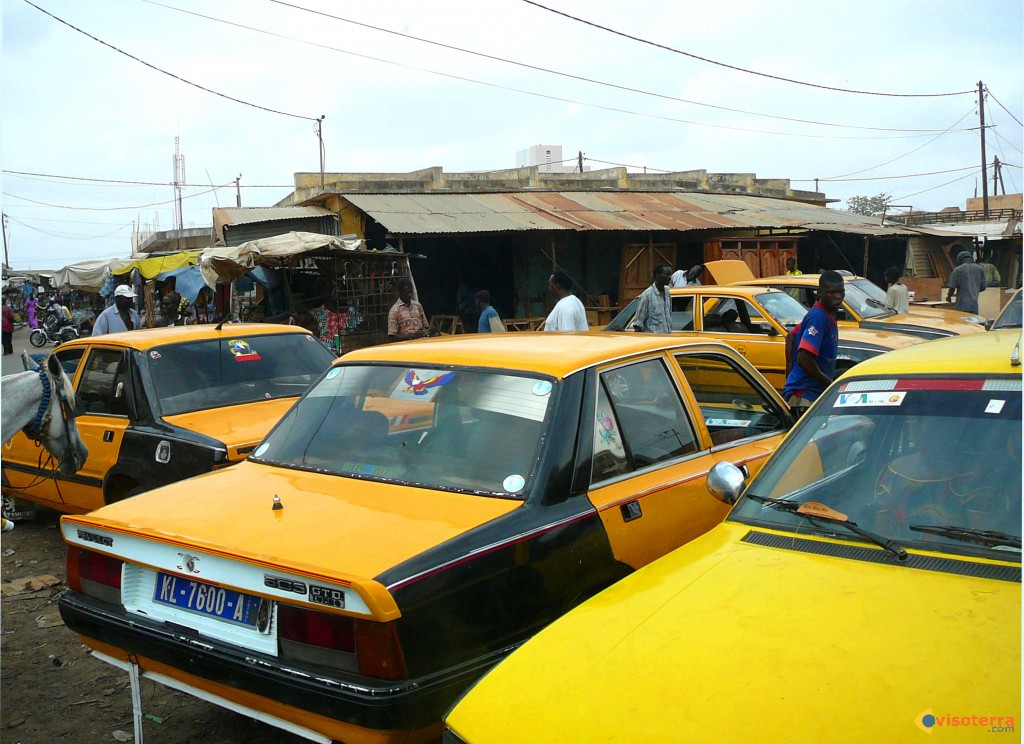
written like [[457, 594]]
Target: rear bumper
[[404, 705]]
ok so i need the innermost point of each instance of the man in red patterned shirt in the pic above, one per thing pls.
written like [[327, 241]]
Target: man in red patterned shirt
[[406, 319]]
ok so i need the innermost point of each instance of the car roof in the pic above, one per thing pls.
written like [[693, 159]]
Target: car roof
[[556, 354], [973, 354], [146, 338]]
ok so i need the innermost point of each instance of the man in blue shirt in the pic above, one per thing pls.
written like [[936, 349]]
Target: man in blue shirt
[[817, 341], [489, 321]]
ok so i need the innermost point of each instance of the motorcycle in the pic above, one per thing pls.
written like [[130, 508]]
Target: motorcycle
[[52, 331]]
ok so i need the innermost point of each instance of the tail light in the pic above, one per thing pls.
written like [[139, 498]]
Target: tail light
[[340, 642], [94, 574]]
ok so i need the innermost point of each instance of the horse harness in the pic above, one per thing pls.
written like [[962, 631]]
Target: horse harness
[[34, 430]]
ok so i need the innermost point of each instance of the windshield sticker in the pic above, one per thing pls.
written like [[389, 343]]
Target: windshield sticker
[[513, 484], [857, 400], [333, 373], [542, 388], [154, 355], [241, 351], [261, 449], [995, 406], [420, 387], [377, 471], [726, 422]]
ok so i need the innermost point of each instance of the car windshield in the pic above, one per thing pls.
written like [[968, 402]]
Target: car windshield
[[781, 306], [928, 463], [867, 299], [226, 371], [453, 429], [1010, 317]]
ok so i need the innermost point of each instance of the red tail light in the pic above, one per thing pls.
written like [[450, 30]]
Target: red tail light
[[340, 642], [94, 574]]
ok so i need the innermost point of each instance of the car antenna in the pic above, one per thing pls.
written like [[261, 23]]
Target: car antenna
[[221, 324]]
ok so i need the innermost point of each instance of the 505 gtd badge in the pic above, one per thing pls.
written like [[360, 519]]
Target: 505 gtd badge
[[321, 595]]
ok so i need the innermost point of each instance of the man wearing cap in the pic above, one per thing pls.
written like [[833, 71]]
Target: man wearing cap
[[966, 281], [120, 316]]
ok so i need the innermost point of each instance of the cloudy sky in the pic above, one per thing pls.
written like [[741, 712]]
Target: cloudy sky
[[746, 86]]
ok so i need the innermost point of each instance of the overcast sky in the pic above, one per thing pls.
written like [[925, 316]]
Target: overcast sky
[[75, 109]]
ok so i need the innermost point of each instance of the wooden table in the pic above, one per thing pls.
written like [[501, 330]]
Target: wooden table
[[523, 324]]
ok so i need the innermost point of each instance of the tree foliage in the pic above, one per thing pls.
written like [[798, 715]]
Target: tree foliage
[[868, 205]]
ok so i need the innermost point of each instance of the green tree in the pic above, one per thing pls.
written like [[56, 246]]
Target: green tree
[[868, 205]]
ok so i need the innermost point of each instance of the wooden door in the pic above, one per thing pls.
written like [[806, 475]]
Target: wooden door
[[637, 267]]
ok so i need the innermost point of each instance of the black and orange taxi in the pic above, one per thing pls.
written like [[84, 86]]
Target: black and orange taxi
[[159, 405], [423, 510]]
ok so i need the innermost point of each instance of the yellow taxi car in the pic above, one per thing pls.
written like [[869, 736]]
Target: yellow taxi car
[[421, 511], [863, 307], [754, 320], [159, 405], [865, 587]]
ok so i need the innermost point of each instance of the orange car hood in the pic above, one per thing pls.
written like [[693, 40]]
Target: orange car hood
[[237, 426], [329, 526]]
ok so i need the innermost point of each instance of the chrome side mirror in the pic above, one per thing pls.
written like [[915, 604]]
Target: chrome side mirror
[[726, 482], [769, 329]]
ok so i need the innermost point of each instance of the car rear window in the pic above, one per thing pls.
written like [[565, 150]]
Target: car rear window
[[454, 429], [231, 370]]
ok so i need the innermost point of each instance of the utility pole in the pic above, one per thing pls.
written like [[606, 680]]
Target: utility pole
[[580, 161], [997, 176], [7, 260], [238, 191], [318, 127], [984, 161]]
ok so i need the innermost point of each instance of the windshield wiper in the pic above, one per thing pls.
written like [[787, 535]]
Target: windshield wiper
[[991, 538], [875, 303], [814, 510]]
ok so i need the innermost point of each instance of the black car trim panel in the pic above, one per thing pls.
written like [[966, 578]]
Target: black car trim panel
[[46, 473], [873, 555]]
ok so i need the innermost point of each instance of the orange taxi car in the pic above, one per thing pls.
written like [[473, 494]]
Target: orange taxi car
[[423, 510], [158, 405]]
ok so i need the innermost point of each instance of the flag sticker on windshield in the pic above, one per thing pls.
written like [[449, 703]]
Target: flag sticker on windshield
[[856, 400], [241, 351]]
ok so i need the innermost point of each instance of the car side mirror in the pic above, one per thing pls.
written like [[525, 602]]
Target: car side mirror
[[988, 324], [769, 329], [726, 482]]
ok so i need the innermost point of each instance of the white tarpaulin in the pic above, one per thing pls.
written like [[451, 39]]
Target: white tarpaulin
[[229, 263], [86, 275]]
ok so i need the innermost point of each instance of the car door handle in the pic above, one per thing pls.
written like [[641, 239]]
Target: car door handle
[[108, 435]]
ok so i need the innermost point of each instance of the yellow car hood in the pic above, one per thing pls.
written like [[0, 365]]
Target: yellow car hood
[[726, 641], [328, 526], [239, 427], [934, 317]]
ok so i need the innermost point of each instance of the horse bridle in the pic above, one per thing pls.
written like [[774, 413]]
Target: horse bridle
[[35, 429]]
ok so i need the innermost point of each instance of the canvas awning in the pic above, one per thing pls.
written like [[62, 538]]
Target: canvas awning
[[150, 268], [230, 262], [87, 276]]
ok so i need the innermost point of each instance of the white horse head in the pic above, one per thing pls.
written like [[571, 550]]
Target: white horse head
[[42, 403]]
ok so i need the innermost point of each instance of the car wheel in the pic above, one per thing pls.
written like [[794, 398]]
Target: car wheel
[[122, 489]]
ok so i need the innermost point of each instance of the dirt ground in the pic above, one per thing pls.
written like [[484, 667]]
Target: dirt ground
[[53, 690]]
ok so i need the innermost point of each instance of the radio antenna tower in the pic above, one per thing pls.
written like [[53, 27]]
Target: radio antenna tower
[[179, 183]]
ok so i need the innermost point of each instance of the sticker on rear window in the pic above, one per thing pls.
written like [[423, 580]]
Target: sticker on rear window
[[333, 373], [154, 355], [261, 449], [241, 350], [513, 484], [995, 406], [726, 422], [856, 400], [417, 386], [542, 388]]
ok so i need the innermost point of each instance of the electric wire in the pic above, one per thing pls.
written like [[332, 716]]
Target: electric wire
[[109, 209], [27, 174], [559, 73], [165, 72], [939, 186], [544, 96], [997, 146], [734, 67], [67, 235], [989, 91]]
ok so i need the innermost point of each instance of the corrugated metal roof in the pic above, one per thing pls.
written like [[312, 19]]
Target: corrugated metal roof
[[421, 214], [245, 215]]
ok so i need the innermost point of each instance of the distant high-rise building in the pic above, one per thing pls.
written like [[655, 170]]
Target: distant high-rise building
[[548, 158]]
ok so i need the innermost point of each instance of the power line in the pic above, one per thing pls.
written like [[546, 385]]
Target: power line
[[66, 235], [989, 91], [110, 209], [740, 69], [567, 74], [143, 183], [534, 93], [165, 72], [923, 191], [886, 178]]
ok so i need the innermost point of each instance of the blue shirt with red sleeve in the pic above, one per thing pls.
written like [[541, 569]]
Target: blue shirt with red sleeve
[[819, 335]]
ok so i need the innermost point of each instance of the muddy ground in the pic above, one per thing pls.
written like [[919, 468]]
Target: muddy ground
[[52, 690]]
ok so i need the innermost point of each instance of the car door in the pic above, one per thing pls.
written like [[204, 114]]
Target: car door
[[649, 462], [103, 396], [743, 326], [27, 466], [743, 419]]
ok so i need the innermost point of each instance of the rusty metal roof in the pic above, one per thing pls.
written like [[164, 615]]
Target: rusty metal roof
[[423, 214], [245, 215]]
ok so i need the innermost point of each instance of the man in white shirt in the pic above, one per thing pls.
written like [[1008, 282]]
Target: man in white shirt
[[568, 313], [120, 316], [897, 296], [682, 277]]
